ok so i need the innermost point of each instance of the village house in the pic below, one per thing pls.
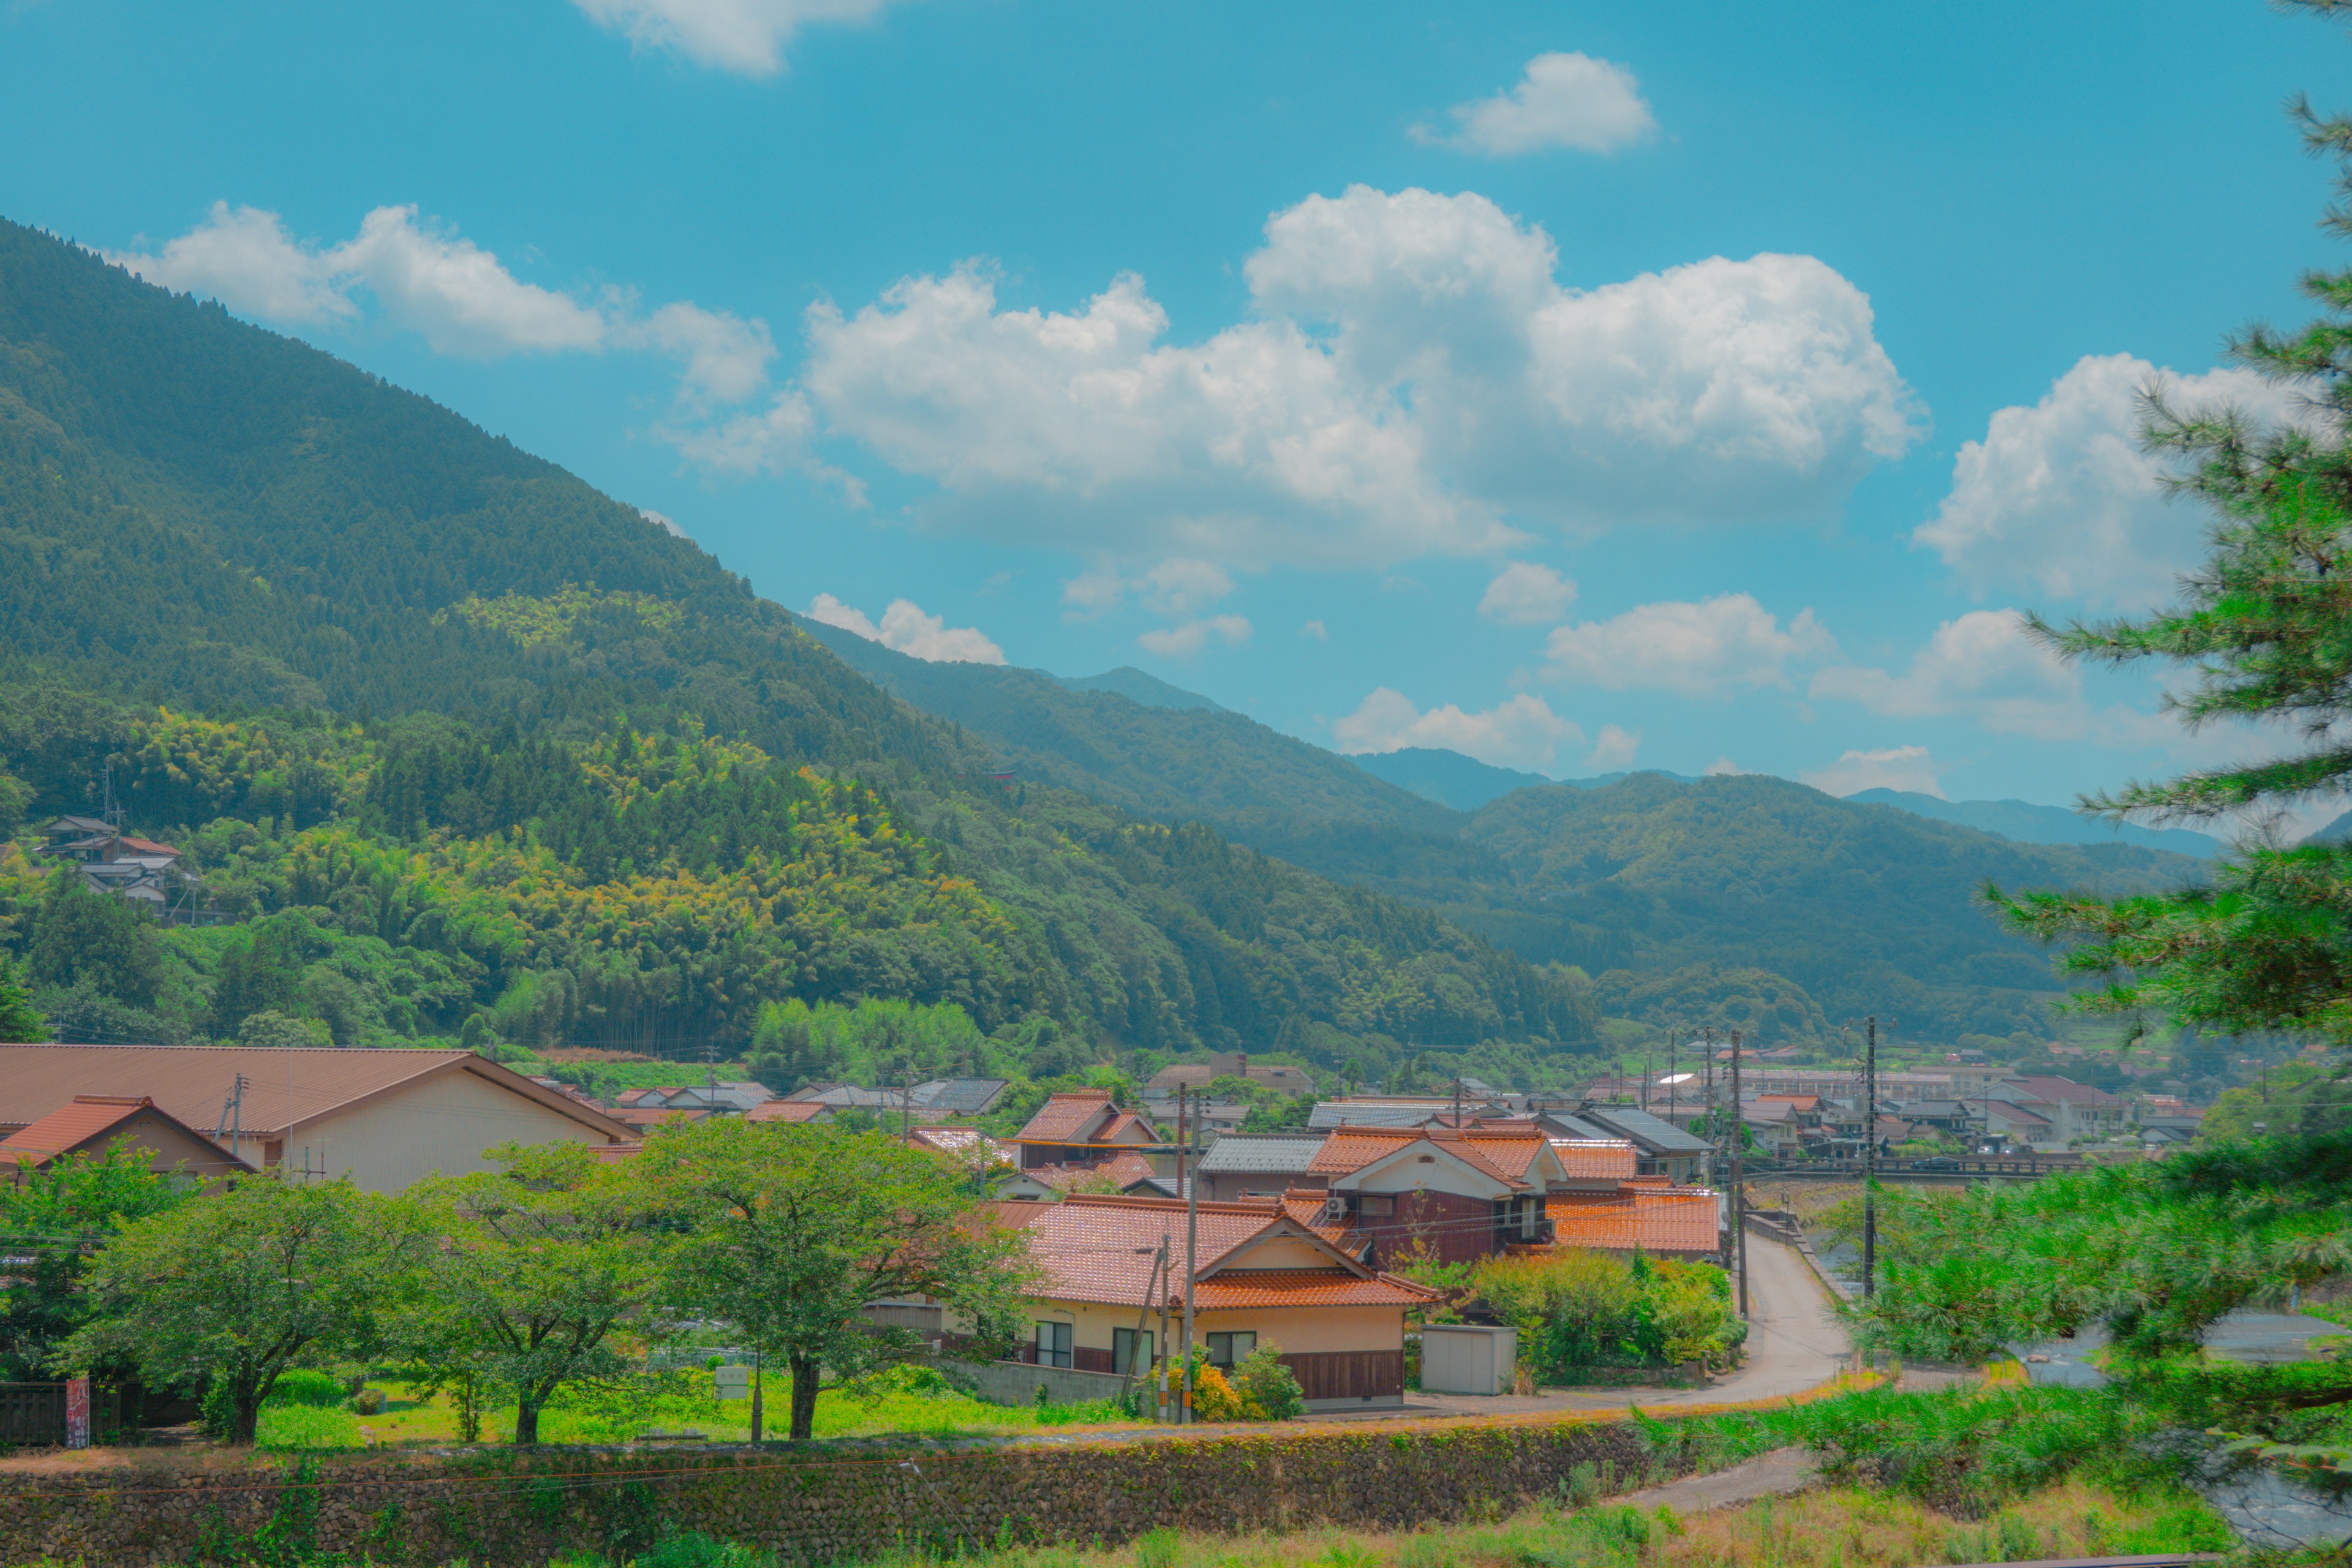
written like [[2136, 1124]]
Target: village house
[[1080, 1127], [1260, 1164], [2076, 1113], [792, 1112], [1666, 1150], [389, 1118], [1444, 1194], [1197, 1076], [124, 866], [1265, 1278], [92, 1123]]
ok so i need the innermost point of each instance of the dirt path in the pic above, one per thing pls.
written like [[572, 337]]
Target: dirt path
[[1779, 1473]]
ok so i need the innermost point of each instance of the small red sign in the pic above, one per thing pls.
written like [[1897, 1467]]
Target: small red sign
[[77, 1413]]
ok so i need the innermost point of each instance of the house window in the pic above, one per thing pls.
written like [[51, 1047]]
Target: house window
[[1131, 1350], [1053, 1344], [1228, 1350], [1376, 1207]]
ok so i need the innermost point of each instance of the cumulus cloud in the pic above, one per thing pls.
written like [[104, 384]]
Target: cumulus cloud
[[905, 628], [1317, 630], [725, 356], [1726, 644], [1565, 99], [1523, 732], [1177, 586], [1724, 767], [1414, 371], [1524, 594], [244, 257], [1906, 768], [1182, 641], [1982, 666], [746, 36], [2058, 499], [1613, 748], [459, 297], [666, 524]]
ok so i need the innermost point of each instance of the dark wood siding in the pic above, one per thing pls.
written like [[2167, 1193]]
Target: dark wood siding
[[1086, 1358], [32, 1413], [1347, 1375]]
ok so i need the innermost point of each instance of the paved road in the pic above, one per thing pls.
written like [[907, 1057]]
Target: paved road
[[1794, 1344]]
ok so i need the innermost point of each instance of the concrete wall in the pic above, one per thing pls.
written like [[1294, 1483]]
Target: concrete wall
[[443, 1123]]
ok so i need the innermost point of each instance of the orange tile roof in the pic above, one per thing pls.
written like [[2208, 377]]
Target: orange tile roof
[[1350, 1149], [1635, 1219], [1596, 1159], [72, 1125], [1121, 1173], [644, 1116], [286, 1085], [1304, 1206], [1065, 1117], [1263, 1288], [1121, 1124], [791, 1110], [1090, 1247], [1509, 1151]]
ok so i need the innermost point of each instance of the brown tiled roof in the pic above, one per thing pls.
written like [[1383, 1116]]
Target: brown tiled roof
[[1670, 1220], [1122, 1172], [787, 1111], [1065, 1117], [1304, 1206], [1099, 1249], [1350, 1149], [965, 1142], [640, 1117], [83, 1122], [1509, 1151], [284, 1088], [1263, 1288], [1596, 1159], [1121, 1124]]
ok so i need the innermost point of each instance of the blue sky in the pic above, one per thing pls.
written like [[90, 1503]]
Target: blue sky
[[1579, 386]]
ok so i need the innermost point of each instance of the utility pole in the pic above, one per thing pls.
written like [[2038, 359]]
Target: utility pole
[[1670, 1075], [1869, 1155], [1738, 1179], [1191, 1253], [1457, 1104], [1649, 1071]]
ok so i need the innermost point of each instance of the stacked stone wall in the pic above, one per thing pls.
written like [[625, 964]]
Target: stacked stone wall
[[815, 1504]]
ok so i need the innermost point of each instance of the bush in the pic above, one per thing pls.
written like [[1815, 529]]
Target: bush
[[1213, 1398], [692, 1549], [303, 1386], [1576, 1308], [1268, 1392], [368, 1402]]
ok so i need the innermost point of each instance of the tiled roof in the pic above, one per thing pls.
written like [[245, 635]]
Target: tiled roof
[[1798, 1101], [2062, 1088], [71, 1125], [1507, 1152], [1121, 1173], [1626, 1121], [1306, 1207], [1124, 1122], [1095, 1248], [1065, 1118], [286, 1085], [792, 1111], [958, 1096], [644, 1116], [965, 1143], [1643, 1219], [1350, 1149], [1597, 1159], [1264, 1288], [1250, 1153]]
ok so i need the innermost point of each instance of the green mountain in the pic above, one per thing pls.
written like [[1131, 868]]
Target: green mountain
[[1136, 686], [463, 744], [2030, 824], [1449, 778]]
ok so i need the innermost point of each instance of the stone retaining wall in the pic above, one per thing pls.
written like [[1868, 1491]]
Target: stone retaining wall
[[820, 1503]]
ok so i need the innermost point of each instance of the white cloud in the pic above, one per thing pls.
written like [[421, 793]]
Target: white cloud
[[726, 356], [455, 295], [1523, 732], [1523, 594], [1414, 371], [746, 36], [1897, 767], [1724, 767], [1720, 645], [1184, 640], [1614, 748], [245, 258], [447, 289], [1567, 99], [905, 628], [1984, 666], [662, 521], [1177, 586], [2058, 499], [1317, 630]]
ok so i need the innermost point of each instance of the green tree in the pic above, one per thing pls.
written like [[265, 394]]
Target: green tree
[[57, 1218], [20, 1021], [237, 1287], [540, 1269], [79, 933], [792, 1231]]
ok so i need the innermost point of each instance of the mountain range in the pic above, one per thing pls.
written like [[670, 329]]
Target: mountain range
[[457, 742]]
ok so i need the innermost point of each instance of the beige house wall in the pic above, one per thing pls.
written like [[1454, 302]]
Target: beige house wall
[[1297, 1331], [443, 1123]]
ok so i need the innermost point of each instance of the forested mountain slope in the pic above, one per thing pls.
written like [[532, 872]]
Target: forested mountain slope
[[453, 733]]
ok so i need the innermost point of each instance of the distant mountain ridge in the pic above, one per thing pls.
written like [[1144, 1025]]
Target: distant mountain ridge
[[2028, 823], [1138, 687]]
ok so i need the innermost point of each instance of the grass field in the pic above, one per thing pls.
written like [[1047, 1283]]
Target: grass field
[[910, 1401]]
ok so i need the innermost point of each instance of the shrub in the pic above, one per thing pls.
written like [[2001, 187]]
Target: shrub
[[1268, 1392], [368, 1402], [690, 1549], [303, 1386], [1213, 1398]]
